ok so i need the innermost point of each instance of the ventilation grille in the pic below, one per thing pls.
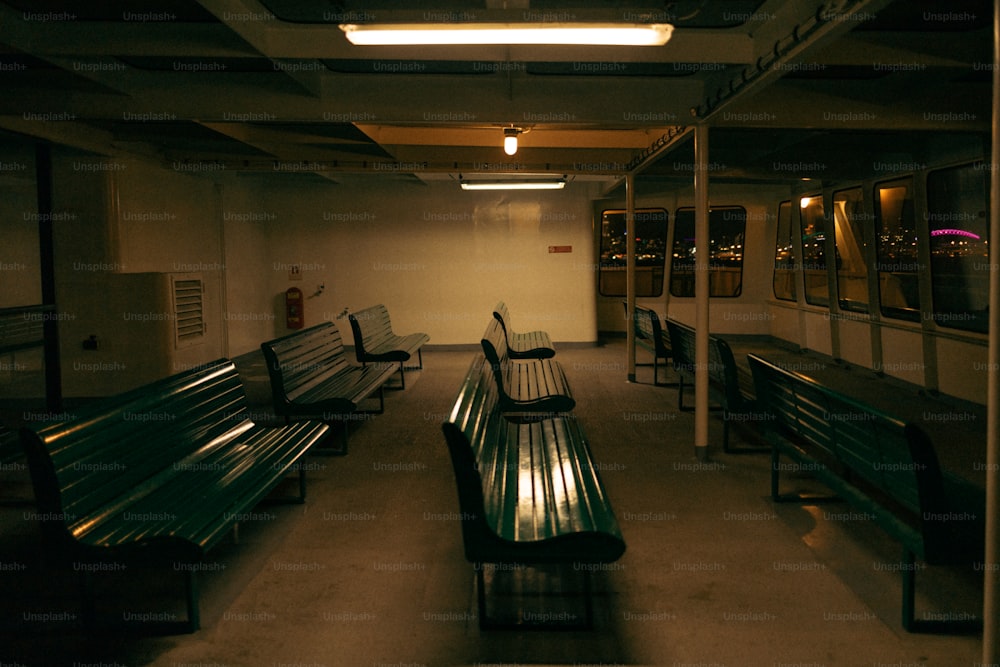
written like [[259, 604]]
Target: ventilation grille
[[189, 321]]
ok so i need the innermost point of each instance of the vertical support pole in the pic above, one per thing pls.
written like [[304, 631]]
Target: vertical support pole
[[630, 274], [991, 578], [701, 289], [46, 254]]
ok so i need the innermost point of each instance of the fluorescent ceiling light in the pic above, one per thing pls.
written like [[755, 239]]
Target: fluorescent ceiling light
[[550, 184], [606, 34]]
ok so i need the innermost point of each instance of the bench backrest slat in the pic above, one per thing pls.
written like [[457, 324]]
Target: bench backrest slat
[[121, 445], [300, 361]]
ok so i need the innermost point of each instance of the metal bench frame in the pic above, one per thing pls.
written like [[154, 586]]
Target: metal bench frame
[[723, 380], [374, 340], [526, 344], [876, 463], [529, 386], [312, 378], [566, 519]]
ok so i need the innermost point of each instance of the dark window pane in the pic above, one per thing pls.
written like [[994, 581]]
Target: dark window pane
[[957, 213], [650, 252], [896, 244], [850, 239], [726, 228], [784, 255], [814, 251]]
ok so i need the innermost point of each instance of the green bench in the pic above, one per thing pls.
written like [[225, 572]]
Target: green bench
[[526, 344], [883, 467], [525, 385], [312, 378], [651, 335], [162, 473], [730, 385], [374, 340], [529, 492]]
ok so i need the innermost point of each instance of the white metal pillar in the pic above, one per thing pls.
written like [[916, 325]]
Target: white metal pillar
[[630, 273], [991, 578], [701, 287]]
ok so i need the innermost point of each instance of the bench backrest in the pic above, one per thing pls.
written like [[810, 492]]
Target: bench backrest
[[648, 327], [896, 458], [122, 445], [300, 361], [494, 344], [371, 327], [473, 417], [501, 313], [722, 370]]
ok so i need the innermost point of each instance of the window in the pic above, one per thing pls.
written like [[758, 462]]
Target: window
[[726, 228], [849, 239], [896, 245], [189, 323], [814, 251], [957, 213], [784, 255], [650, 252]]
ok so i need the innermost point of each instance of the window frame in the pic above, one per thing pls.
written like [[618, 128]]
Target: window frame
[[713, 270]]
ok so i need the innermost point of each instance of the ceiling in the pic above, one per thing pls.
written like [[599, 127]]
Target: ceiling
[[789, 88]]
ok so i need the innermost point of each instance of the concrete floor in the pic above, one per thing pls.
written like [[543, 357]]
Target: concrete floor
[[370, 571]]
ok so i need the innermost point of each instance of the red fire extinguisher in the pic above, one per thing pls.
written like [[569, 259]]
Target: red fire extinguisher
[[294, 315]]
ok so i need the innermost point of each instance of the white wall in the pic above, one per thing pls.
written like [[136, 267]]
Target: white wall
[[121, 226], [439, 258]]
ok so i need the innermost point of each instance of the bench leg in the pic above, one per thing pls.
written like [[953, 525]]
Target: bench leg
[[656, 373], [88, 611], [952, 626], [192, 624], [802, 498], [680, 395], [193, 611], [487, 623], [748, 449], [484, 622], [329, 450]]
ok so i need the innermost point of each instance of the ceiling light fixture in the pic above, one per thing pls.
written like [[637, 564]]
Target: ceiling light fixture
[[510, 139], [605, 34], [534, 184]]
